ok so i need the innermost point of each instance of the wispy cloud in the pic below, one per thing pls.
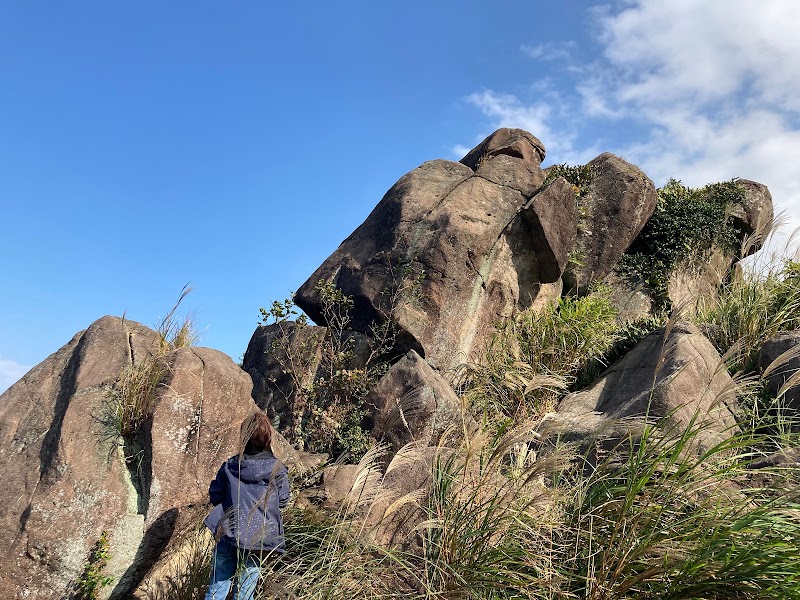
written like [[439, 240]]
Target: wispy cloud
[[550, 50], [711, 90], [10, 373]]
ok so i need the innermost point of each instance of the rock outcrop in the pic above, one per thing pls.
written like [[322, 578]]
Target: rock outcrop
[[454, 247], [780, 360], [69, 476], [64, 479], [675, 374], [617, 205], [754, 214], [412, 403]]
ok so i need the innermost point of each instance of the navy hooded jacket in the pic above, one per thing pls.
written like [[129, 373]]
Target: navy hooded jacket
[[251, 492]]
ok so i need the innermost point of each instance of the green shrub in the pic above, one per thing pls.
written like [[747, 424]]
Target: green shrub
[[686, 223], [578, 176], [326, 408]]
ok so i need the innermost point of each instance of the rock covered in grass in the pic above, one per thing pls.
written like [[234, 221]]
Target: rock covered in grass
[[673, 373], [619, 201], [412, 403], [65, 481], [452, 248], [780, 358]]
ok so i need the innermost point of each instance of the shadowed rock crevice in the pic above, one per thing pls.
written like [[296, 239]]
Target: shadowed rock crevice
[[67, 387]]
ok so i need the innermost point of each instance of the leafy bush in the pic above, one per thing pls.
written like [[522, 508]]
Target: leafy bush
[[686, 223], [578, 176], [326, 407]]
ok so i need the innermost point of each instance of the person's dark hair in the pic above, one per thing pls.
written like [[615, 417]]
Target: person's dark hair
[[257, 434]]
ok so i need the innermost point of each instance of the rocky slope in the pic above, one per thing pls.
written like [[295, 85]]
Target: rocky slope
[[451, 251]]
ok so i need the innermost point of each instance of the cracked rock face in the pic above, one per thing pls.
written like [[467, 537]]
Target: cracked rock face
[[472, 234], [66, 477], [620, 200], [63, 482]]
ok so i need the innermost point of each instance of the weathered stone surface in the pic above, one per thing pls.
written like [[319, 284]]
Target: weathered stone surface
[[783, 349], [681, 377], [630, 297], [412, 403], [281, 355], [620, 200], [551, 215], [698, 281], [64, 480], [755, 213], [516, 143], [482, 259]]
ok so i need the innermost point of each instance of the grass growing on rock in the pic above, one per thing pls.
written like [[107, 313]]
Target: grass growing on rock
[[131, 399], [510, 516], [535, 357]]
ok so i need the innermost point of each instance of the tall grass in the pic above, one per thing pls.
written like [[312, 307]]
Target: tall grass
[[760, 300], [186, 576], [131, 399], [534, 357], [512, 517], [174, 332]]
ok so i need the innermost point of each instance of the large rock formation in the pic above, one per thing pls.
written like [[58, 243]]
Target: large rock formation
[[65, 481], [454, 247], [69, 476]]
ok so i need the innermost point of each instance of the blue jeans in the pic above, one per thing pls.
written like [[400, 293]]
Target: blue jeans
[[228, 561]]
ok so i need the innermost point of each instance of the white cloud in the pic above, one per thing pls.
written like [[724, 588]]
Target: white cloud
[[706, 51], [10, 373], [702, 91], [458, 151], [718, 83], [550, 50]]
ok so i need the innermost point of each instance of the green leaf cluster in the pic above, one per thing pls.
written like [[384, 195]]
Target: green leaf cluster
[[92, 579], [687, 222]]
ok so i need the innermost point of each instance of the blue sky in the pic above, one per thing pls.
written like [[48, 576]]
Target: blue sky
[[144, 145]]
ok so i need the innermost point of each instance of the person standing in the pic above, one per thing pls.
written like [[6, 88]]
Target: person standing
[[248, 493]]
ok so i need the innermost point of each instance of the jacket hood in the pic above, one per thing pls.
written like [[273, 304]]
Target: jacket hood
[[252, 468]]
